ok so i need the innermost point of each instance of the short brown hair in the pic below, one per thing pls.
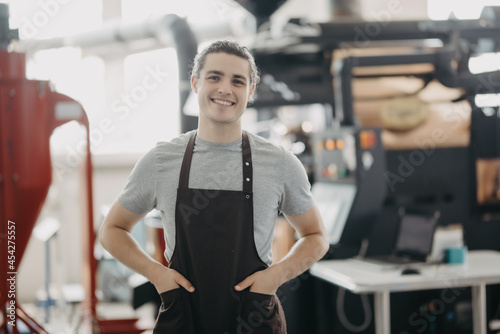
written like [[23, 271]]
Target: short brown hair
[[229, 47]]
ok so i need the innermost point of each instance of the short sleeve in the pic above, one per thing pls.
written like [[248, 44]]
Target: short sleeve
[[296, 197], [139, 194]]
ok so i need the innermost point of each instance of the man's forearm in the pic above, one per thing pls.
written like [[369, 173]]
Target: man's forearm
[[306, 251], [120, 243]]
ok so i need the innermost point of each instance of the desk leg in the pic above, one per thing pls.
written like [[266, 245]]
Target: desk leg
[[382, 305], [479, 308]]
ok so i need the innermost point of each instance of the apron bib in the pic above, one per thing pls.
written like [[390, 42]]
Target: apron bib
[[215, 250]]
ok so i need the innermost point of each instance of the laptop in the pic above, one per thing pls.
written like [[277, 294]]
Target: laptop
[[413, 243]]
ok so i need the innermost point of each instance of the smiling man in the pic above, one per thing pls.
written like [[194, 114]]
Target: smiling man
[[219, 190]]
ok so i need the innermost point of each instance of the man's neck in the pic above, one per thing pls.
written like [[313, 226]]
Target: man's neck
[[219, 133]]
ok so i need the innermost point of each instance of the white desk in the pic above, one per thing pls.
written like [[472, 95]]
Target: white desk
[[482, 268]]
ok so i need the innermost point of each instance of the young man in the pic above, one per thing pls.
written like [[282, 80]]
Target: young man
[[219, 190]]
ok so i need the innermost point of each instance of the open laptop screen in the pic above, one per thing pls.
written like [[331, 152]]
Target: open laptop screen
[[415, 235]]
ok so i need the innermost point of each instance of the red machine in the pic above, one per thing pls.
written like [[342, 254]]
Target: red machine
[[29, 112]]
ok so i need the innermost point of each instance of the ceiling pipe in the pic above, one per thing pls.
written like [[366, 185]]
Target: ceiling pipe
[[118, 38]]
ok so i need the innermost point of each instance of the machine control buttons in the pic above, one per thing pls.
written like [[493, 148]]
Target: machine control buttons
[[333, 172]]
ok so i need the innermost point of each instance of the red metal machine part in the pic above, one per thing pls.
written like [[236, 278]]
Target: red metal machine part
[[29, 113]]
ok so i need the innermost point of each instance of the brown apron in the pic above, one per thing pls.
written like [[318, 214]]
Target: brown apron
[[215, 250]]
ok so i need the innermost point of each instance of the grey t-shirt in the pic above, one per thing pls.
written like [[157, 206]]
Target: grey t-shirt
[[279, 183]]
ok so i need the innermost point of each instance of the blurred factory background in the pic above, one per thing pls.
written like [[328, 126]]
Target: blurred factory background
[[395, 103]]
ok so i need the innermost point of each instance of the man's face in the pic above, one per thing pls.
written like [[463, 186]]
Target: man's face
[[223, 88]]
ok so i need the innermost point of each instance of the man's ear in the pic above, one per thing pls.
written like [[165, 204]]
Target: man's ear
[[250, 96], [194, 84]]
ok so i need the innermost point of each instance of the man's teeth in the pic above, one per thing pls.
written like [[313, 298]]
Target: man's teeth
[[223, 102]]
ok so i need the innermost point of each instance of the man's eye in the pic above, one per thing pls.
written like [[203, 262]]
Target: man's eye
[[213, 77], [239, 82]]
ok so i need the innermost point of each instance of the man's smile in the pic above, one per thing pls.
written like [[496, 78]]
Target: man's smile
[[222, 102]]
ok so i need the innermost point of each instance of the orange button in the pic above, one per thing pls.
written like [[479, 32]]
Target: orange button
[[368, 139], [330, 144], [340, 144]]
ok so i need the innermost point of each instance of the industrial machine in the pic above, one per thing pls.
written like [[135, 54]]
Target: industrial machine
[[29, 112]]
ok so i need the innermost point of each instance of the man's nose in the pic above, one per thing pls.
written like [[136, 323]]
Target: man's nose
[[224, 87]]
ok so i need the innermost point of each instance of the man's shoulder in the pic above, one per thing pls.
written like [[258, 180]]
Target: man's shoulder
[[265, 145], [178, 142], [175, 146]]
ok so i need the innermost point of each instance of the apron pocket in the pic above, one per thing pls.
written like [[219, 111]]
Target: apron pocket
[[168, 297], [174, 314], [261, 314]]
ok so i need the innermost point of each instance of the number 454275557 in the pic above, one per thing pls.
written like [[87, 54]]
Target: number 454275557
[[11, 237]]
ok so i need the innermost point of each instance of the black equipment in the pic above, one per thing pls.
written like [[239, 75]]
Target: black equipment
[[297, 69]]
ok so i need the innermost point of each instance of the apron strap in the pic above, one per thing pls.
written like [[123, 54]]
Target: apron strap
[[247, 163], [186, 163]]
